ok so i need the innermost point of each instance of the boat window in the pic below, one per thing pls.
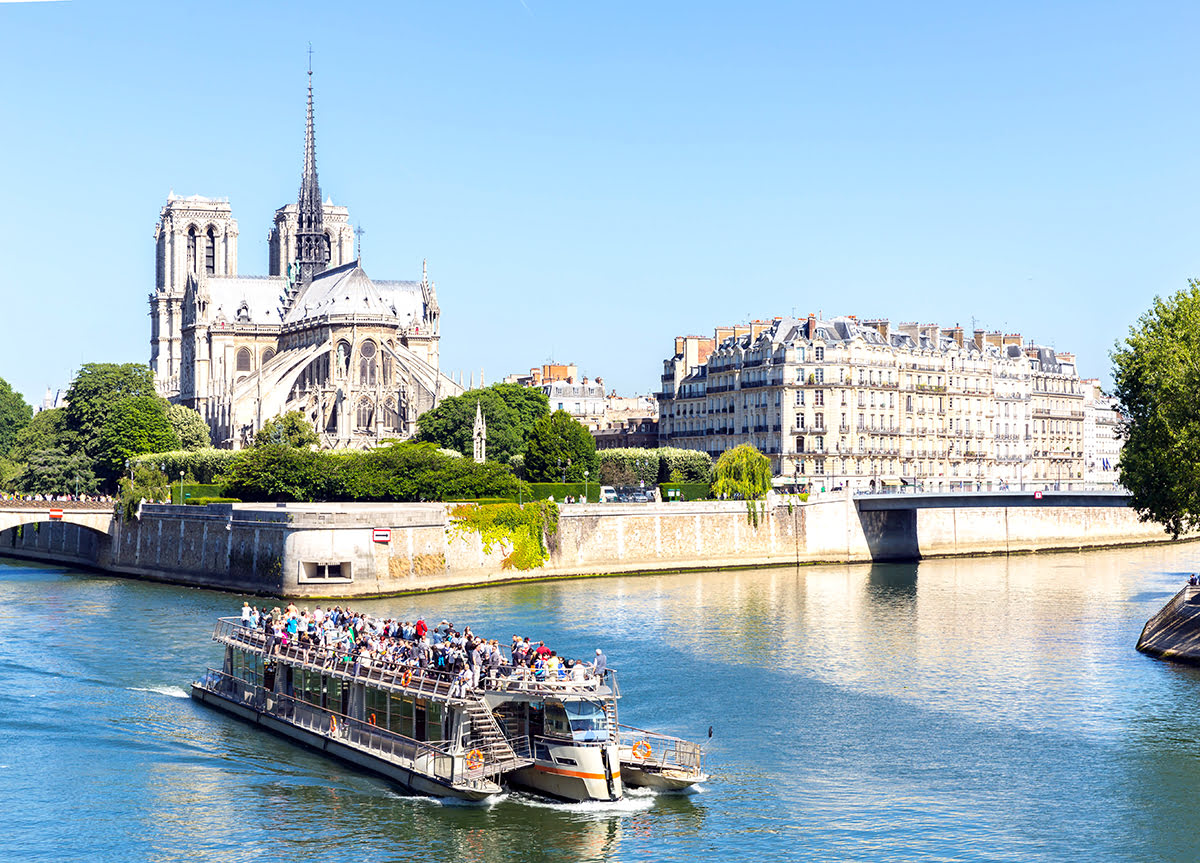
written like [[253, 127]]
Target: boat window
[[377, 704], [333, 694], [587, 720], [557, 724], [310, 691], [402, 716], [433, 721]]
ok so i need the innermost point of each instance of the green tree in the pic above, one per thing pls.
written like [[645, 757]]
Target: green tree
[[742, 473], [560, 446], [189, 427], [134, 425], [510, 411], [96, 390], [290, 429], [47, 430], [1156, 372], [148, 483], [52, 471], [278, 472], [14, 415]]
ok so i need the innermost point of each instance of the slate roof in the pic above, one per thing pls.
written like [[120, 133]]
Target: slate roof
[[245, 299], [347, 290]]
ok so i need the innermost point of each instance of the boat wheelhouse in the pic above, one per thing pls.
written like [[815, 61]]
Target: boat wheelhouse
[[425, 730]]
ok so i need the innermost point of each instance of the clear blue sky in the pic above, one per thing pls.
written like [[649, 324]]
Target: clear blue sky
[[589, 180]]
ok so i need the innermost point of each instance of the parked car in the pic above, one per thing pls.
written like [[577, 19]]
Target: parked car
[[607, 494]]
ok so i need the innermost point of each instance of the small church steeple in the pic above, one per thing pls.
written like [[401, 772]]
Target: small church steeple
[[312, 246], [479, 436]]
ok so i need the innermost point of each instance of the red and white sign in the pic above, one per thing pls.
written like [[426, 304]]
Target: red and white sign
[[55, 514], [1037, 495], [381, 534]]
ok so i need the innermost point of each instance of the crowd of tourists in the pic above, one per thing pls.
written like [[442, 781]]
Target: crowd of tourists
[[56, 498], [461, 656]]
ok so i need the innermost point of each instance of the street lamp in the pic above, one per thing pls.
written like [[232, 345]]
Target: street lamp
[[129, 467], [585, 486], [181, 488]]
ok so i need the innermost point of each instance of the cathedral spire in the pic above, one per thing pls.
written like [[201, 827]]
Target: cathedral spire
[[312, 246]]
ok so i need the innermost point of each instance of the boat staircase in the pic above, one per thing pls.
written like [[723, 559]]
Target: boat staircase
[[610, 718], [500, 752]]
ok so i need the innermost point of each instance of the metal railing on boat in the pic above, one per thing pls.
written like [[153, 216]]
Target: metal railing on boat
[[662, 750], [454, 768]]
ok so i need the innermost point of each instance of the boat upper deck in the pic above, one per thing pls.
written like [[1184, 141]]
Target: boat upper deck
[[387, 672]]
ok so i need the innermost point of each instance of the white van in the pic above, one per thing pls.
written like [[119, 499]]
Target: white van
[[607, 494]]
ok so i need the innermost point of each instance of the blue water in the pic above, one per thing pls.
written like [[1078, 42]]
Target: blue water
[[992, 709]]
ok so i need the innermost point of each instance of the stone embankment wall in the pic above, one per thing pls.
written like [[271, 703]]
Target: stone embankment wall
[[331, 550]]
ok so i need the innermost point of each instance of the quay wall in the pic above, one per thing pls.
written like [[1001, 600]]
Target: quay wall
[[330, 550]]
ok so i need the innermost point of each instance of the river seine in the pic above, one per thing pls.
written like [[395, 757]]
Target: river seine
[[990, 709]]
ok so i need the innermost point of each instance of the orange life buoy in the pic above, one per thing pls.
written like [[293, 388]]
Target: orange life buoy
[[641, 750], [333, 725], [406, 677], [371, 720], [474, 759]]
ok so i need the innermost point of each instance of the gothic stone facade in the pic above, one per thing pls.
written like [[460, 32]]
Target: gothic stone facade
[[358, 358]]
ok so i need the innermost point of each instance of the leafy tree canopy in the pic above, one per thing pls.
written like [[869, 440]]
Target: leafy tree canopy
[[189, 427], [135, 425], [14, 415], [47, 430], [148, 483], [52, 471], [276, 471], [560, 446], [290, 429], [742, 473], [510, 411], [1156, 372], [96, 390]]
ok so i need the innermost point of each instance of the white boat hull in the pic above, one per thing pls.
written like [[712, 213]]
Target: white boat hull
[[398, 773]]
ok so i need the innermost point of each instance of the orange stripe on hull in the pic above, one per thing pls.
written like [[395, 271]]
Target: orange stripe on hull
[[576, 773]]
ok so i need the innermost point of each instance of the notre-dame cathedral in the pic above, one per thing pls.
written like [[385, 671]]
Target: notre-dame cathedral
[[358, 357]]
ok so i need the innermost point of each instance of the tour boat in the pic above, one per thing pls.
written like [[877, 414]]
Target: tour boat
[[417, 727]]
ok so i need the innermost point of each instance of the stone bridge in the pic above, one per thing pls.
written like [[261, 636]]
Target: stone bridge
[[89, 514]]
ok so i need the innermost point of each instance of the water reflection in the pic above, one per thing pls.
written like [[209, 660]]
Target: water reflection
[[989, 709]]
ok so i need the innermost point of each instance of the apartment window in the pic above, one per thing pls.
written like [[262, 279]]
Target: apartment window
[[819, 375], [819, 398], [819, 354], [818, 420], [800, 397]]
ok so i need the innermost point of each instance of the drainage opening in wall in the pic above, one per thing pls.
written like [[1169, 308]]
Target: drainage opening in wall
[[313, 571]]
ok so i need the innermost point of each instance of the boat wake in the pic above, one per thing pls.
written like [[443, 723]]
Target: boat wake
[[173, 691], [625, 806]]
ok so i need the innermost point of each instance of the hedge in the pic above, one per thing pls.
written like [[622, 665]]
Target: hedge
[[205, 501], [195, 490], [688, 490], [201, 466]]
